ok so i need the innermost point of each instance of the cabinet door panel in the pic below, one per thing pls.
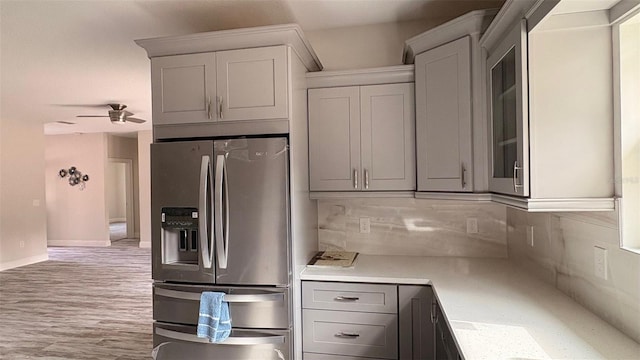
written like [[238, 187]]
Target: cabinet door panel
[[443, 118], [416, 330], [334, 138], [508, 114], [252, 83], [388, 152], [182, 88]]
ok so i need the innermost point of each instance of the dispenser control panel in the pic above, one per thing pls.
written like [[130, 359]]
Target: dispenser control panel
[[180, 218], [180, 232]]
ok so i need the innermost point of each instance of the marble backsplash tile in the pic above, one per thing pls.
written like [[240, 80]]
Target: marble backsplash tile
[[563, 255], [418, 227]]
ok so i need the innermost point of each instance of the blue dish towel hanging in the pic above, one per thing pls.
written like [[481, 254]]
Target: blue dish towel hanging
[[214, 322]]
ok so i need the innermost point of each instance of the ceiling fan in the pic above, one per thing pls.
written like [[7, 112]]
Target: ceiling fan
[[118, 115]]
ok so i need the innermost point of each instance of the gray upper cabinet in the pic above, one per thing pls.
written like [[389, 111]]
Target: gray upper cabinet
[[443, 118], [334, 138], [508, 113], [387, 137], [182, 88], [252, 83], [362, 138], [245, 84]]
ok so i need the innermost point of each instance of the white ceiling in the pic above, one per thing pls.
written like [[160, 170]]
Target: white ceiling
[[57, 56]]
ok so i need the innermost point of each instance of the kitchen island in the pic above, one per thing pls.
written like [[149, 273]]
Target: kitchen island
[[495, 309]]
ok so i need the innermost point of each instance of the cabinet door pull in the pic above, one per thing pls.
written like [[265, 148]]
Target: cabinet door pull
[[347, 335], [464, 173], [346, 298], [434, 314], [366, 179], [209, 107], [355, 178], [220, 99], [515, 176]]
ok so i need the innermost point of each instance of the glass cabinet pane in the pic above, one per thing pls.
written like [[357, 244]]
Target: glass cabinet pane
[[503, 105]]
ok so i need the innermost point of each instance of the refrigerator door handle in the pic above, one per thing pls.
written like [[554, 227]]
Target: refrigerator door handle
[[205, 252], [243, 340], [221, 197], [230, 298]]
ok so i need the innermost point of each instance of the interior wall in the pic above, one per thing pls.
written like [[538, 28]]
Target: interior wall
[[116, 186], [563, 255], [76, 217], [416, 227], [120, 147], [23, 233], [145, 138], [364, 46]]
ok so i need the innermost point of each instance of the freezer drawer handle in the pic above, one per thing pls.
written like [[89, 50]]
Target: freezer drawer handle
[[242, 340], [228, 298]]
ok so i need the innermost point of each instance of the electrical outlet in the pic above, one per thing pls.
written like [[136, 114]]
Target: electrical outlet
[[530, 235], [21, 244], [472, 226], [600, 262], [365, 225]]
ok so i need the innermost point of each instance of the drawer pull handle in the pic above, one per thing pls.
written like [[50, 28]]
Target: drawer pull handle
[[347, 335], [347, 298]]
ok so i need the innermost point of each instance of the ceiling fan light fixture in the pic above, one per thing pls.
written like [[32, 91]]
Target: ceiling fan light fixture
[[117, 116]]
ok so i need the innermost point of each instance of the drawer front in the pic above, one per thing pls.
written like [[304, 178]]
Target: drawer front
[[250, 308], [350, 297], [314, 356], [350, 333]]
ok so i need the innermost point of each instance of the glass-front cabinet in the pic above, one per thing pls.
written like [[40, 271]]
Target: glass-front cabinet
[[508, 113]]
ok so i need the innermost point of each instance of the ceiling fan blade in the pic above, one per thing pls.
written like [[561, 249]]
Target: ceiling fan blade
[[83, 105], [128, 113], [91, 116], [136, 120]]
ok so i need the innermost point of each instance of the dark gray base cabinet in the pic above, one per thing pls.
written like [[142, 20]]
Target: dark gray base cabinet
[[445, 345], [355, 321]]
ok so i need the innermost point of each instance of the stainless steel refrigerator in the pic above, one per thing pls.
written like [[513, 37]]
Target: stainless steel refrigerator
[[220, 222]]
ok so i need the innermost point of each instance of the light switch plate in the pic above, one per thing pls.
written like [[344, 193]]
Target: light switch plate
[[365, 225], [600, 262]]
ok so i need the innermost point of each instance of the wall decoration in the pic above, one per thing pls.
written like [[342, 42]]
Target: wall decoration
[[75, 177]]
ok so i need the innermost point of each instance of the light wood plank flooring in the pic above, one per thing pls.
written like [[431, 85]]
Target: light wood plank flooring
[[84, 303]]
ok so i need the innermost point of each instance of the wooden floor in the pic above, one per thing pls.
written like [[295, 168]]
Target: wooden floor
[[84, 303]]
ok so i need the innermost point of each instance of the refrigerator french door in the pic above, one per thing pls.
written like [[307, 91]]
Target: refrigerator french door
[[220, 211], [220, 222]]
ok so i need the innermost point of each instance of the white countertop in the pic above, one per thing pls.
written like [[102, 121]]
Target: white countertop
[[496, 311]]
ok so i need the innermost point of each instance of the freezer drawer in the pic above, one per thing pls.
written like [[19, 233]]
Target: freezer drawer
[[250, 307], [350, 297], [181, 342], [350, 333], [314, 356]]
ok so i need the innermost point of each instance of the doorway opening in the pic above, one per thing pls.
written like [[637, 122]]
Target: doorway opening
[[120, 201]]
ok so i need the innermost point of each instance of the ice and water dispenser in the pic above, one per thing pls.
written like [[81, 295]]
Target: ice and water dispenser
[[180, 236]]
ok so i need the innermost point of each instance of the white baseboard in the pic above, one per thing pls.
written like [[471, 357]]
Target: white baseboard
[[145, 244], [114, 220], [25, 261], [88, 243]]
